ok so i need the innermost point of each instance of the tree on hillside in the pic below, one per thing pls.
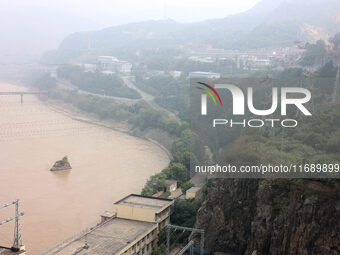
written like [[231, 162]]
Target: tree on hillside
[[335, 40], [45, 82], [66, 71], [314, 54], [177, 171]]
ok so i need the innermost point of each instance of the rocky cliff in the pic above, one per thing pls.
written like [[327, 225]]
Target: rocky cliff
[[61, 165], [272, 217]]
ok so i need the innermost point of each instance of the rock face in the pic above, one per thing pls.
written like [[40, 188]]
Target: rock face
[[272, 217], [61, 165]]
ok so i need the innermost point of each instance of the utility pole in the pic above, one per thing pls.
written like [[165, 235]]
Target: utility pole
[[165, 10], [336, 84], [167, 241], [202, 243]]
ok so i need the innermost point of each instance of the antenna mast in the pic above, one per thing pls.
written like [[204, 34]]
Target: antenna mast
[[165, 10]]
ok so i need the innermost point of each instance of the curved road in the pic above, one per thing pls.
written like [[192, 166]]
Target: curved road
[[147, 97], [129, 83]]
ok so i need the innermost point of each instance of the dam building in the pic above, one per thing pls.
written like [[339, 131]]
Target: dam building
[[132, 229]]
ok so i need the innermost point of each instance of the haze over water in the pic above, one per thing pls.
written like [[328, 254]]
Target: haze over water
[[107, 165]]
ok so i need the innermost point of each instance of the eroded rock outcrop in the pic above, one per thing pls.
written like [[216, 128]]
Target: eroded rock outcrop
[[63, 164], [272, 217]]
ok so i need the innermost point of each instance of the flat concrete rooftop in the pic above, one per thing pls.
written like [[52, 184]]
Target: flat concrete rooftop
[[194, 189], [144, 202], [170, 182], [109, 238]]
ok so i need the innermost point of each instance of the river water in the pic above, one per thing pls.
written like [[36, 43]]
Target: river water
[[106, 166]]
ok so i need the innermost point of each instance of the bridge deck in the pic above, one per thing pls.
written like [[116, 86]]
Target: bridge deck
[[23, 93]]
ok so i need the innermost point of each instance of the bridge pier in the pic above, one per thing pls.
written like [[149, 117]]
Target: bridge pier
[[22, 93]]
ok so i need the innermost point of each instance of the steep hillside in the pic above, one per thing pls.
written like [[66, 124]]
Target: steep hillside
[[272, 217], [281, 216], [269, 23]]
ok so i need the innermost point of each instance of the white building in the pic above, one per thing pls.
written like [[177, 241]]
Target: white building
[[90, 68], [207, 75], [125, 67], [110, 64], [262, 62], [203, 59], [175, 74]]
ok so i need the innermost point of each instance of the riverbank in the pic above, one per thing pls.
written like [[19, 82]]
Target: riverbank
[[164, 141]]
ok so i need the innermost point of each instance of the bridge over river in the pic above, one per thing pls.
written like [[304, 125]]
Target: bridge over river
[[22, 93]]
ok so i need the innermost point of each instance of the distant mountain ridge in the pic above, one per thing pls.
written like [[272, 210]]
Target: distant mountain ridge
[[30, 31], [266, 6], [269, 23]]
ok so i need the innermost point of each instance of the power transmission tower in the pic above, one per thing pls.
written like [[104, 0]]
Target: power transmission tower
[[17, 236], [185, 248], [17, 243], [336, 84], [190, 244]]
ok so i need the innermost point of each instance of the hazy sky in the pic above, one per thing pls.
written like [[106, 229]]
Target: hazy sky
[[113, 12]]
